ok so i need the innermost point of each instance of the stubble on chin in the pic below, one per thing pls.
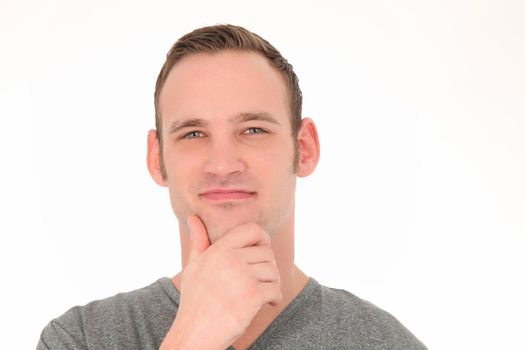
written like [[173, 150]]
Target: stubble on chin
[[218, 227]]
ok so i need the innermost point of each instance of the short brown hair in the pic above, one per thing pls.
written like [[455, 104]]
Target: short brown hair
[[221, 37]]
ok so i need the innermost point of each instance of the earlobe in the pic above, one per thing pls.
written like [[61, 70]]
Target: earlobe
[[153, 159], [309, 148]]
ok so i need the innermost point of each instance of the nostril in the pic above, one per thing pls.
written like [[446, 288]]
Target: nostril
[[224, 166]]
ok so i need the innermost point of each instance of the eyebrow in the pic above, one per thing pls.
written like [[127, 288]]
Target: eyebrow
[[247, 117], [239, 118], [187, 123]]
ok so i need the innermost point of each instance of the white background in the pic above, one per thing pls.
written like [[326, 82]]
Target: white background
[[417, 204]]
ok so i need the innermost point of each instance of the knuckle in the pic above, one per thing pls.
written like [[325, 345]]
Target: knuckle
[[269, 254]]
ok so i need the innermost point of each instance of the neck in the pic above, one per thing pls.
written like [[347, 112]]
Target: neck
[[292, 280]]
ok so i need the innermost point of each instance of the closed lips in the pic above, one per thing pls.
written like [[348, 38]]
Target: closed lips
[[227, 194]]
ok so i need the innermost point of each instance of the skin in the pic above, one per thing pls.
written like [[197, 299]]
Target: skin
[[228, 154]]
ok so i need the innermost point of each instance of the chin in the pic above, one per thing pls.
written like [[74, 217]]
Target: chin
[[216, 230], [218, 227]]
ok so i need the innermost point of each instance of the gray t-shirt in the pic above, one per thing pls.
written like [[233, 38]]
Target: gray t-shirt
[[318, 318]]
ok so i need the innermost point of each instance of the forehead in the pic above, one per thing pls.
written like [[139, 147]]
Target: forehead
[[223, 84]]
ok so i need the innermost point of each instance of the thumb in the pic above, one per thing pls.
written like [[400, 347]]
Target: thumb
[[199, 240]]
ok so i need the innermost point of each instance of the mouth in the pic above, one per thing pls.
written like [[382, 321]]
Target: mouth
[[227, 194]]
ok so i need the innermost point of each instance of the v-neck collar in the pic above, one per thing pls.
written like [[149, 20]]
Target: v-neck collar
[[281, 319]]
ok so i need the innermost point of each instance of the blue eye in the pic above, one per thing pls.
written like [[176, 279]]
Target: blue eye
[[193, 135], [255, 131]]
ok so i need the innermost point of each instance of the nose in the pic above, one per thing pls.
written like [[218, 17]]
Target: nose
[[224, 158]]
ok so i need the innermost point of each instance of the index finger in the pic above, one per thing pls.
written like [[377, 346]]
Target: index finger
[[245, 235]]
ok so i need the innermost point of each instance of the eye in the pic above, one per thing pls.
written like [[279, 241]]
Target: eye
[[255, 131], [193, 135]]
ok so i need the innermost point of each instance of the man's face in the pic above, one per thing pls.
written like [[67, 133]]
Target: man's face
[[227, 144]]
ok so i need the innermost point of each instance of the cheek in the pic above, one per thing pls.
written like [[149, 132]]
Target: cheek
[[277, 175], [179, 180], [281, 159], [179, 164], [278, 204], [276, 171]]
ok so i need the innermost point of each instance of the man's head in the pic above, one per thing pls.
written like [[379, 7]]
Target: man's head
[[227, 144], [218, 38]]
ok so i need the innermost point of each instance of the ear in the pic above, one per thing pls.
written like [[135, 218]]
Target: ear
[[309, 148], [153, 158]]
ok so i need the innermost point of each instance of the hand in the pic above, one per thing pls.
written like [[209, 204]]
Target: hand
[[223, 287]]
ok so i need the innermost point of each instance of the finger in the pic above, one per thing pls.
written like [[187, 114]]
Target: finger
[[257, 254], [265, 272], [245, 235], [270, 292], [199, 240]]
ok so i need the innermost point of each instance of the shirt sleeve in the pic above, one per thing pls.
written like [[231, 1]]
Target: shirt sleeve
[[58, 335]]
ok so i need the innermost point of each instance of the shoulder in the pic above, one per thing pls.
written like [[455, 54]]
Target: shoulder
[[353, 320], [149, 309]]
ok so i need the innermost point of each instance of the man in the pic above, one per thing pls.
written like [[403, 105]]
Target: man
[[229, 144]]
